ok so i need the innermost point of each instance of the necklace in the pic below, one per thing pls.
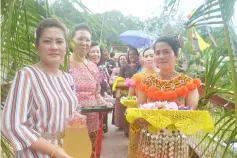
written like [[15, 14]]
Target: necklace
[[163, 77], [79, 59], [150, 71]]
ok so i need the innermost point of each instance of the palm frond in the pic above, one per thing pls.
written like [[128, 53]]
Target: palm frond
[[210, 13], [232, 136], [19, 20], [216, 68], [224, 128], [6, 148]]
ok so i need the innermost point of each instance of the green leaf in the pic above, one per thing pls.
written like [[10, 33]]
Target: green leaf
[[170, 2], [232, 137]]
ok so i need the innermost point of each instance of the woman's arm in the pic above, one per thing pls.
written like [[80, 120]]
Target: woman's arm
[[100, 100], [121, 84], [15, 117], [16, 111], [122, 72], [141, 97], [43, 146], [113, 76], [192, 99], [132, 91]]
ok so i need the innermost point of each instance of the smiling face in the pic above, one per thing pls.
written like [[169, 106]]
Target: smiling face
[[164, 56], [133, 56], [82, 39], [148, 58], [122, 60], [94, 54], [52, 46]]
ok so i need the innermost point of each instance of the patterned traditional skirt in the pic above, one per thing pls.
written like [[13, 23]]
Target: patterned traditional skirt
[[119, 118], [163, 144], [96, 139], [93, 138]]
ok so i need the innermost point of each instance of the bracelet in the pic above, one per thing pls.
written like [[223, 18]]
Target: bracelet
[[53, 152]]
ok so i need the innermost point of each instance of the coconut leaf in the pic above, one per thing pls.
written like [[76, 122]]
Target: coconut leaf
[[232, 137]]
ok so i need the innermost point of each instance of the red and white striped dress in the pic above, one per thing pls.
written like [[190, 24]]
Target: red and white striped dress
[[37, 103]]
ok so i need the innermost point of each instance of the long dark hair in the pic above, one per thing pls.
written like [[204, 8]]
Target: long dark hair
[[123, 55], [132, 49]]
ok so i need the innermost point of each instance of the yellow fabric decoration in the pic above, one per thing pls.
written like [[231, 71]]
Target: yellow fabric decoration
[[186, 121], [129, 101], [140, 75], [202, 44], [118, 79]]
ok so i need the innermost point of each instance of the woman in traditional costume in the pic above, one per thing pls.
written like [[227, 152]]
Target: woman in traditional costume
[[96, 56], [122, 61], [86, 76], [166, 85], [148, 68], [126, 72]]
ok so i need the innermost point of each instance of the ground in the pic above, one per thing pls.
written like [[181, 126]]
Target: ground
[[114, 144]]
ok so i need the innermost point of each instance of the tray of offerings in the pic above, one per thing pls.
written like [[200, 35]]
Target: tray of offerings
[[160, 115], [89, 109]]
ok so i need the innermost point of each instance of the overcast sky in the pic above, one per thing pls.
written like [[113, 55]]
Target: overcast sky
[[141, 8]]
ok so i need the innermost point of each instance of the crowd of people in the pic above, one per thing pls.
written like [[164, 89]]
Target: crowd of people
[[42, 96]]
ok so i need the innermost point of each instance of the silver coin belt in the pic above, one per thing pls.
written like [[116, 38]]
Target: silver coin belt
[[165, 143]]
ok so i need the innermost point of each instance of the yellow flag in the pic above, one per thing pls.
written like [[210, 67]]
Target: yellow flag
[[198, 43]]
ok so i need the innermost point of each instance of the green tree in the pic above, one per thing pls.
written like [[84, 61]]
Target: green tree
[[106, 26]]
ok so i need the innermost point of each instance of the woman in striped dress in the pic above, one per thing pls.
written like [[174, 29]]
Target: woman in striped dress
[[41, 98]]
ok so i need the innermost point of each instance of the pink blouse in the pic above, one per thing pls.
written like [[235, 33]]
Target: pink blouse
[[87, 82]]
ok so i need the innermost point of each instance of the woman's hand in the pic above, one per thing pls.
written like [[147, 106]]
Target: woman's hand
[[142, 122], [60, 153], [107, 96], [109, 104], [44, 146]]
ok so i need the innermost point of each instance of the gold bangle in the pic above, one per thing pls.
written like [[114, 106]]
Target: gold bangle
[[53, 152]]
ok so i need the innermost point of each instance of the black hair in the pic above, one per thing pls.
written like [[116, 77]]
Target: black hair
[[172, 41], [143, 52], [123, 55], [93, 44], [48, 23], [81, 26], [132, 49], [112, 54]]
